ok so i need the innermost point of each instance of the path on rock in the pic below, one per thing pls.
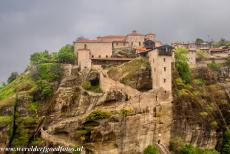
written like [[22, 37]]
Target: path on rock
[[162, 149], [107, 84], [58, 140]]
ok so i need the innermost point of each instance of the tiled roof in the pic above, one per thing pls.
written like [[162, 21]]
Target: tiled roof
[[112, 37], [92, 41], [134, 33], [217, 50]]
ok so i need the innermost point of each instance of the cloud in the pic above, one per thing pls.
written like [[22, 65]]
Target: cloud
[[29, 26]]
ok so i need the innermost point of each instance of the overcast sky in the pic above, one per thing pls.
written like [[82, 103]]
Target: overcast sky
[[27, 26]]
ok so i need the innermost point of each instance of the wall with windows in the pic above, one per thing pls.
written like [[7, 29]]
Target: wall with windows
[[97, 49], [135, 41], [84, 60], [161, 70], [117, 45]]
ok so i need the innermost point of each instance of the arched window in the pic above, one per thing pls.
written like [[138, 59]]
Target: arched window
[[85, 46], [164, 80], [139, 43], [106, 56], [165, 69]]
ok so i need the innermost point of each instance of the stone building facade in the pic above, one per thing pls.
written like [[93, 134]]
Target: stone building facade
[[161, 67], [88, 52]]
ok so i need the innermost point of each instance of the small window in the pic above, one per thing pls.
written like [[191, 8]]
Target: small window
[[85, 46], [153, 60], [92, 56], [164, 59], [164, 80], [99, 56], [165, 69], [139, 43], [106, 56]]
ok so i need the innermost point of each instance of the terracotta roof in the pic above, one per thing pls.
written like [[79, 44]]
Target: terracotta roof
[[217, 50], [112, 37], [92, 41], [134, 33]]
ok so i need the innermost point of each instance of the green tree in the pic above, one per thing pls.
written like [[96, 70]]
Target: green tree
[[188, 149], [66, 54], [227, 62], [2, 85], [151, 150], [45, 89], [40, 57], [226, 145], [199, 41], [12, 77], [214, 66], [182, 64]]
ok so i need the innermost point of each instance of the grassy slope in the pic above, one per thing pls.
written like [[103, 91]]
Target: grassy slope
[[128, 70], [23, 84]]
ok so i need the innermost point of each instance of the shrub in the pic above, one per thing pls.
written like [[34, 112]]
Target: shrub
[[45, 89], [151, 150], [49, 71], [213, 124], [182, 64], [198, 82], [40, 57], [125, 112], [189, 149], [94, 88], [214, 66], [5, 120], [226, 145], [12, 77], [66, 54], [176, 144], [97, 115]]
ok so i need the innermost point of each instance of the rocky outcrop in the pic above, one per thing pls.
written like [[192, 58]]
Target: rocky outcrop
[[136, 74]]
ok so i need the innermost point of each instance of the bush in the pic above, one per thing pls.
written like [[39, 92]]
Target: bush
[[45, 89], [40, 57], [88, 86], [5, 120], [49, 71], [198, 82], [214, 66], [189, 149], [182, 64], [97, 115], [151, 150], [66, 54], [226, 145], [12, 77], [176, 144]]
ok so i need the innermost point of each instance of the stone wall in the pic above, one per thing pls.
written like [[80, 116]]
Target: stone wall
[[97, 49], [161, 71]]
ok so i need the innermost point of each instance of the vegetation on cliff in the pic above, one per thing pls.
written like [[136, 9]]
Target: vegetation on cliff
[[151, 150], [23, 95], [199, 101], [136, 73]]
